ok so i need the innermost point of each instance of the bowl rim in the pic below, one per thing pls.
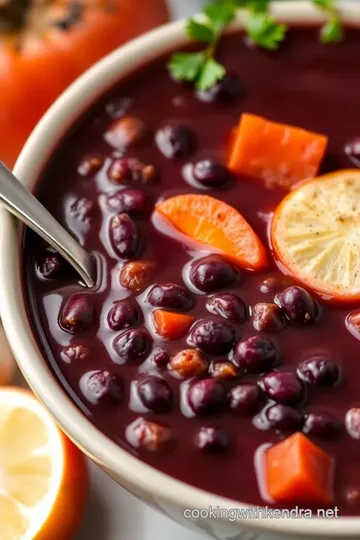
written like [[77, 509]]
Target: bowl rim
[[43, 140]]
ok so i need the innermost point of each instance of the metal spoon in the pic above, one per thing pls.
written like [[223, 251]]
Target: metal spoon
[[20, 202]]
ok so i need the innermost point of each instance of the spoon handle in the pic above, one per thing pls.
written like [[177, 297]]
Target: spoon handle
[[20, 202]]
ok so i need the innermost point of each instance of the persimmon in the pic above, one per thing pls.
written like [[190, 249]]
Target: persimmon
[[44, 46]]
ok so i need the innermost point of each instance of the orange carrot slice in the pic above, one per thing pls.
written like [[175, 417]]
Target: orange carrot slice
[[171, 325], [216, 224], [299, 471], [277, 154]]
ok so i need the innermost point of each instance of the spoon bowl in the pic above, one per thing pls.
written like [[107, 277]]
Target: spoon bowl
[[21, 203]]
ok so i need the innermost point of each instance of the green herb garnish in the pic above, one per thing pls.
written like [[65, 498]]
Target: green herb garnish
[[261, 27], [265, 31], [202, 67], [332, 31]]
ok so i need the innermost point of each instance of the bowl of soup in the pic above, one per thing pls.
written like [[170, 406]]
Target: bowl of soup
[[213, 370]]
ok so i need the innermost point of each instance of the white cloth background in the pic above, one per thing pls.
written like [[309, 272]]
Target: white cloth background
[[183, 8]]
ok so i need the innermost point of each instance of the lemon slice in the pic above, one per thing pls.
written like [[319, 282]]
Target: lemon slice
[[315, 234], [42, 474]]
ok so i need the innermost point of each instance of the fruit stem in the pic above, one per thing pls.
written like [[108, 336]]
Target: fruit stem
[[13, 14]]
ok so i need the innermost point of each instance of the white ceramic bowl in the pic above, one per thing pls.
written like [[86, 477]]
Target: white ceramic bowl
[[157, 489]]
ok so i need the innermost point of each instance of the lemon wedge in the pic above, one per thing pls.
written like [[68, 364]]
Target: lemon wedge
[[42, 474], [315, 234]]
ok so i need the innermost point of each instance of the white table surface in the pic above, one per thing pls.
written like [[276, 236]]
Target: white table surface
[[113, 514]]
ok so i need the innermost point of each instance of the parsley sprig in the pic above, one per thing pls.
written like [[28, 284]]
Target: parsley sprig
[[261, 27], [202, 67], [332, 31]]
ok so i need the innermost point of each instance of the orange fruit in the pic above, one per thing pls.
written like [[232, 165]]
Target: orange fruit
[[43, 475], [315, 235], [215, 224]]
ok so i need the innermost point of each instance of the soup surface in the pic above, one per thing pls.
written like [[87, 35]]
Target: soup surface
[[104, 345]]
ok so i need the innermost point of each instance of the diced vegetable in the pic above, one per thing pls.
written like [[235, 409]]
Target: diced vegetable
[[299, 471], [218, 225], [277, 154], [171, 325]]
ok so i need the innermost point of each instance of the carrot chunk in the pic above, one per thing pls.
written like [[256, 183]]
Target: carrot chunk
[[216, 224], [171, 325], [277, 154], [299, 471]]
